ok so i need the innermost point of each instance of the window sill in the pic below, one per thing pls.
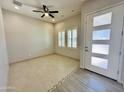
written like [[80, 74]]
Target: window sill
[[69, 48]]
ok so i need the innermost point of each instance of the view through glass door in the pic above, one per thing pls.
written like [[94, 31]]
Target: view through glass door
[[103, 40]]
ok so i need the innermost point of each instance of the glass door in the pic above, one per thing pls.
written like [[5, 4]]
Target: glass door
[[103, 40]]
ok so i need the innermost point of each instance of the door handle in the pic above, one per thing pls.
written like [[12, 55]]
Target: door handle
[[86, 49]]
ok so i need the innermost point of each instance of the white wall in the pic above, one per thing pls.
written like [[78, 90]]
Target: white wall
[[3, 57], [63, 26], [122, 78], [27, 37]]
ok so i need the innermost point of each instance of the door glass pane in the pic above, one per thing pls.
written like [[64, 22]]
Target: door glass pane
[[101, 34], [74, 38], [104, 19], [100, 49], [99, 62], [69, 39]]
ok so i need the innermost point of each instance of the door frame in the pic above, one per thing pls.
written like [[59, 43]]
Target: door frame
[[122, 46], [121, 57]]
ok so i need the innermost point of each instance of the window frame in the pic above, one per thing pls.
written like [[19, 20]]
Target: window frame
[[71, 29], [61, 33], [66, 38]]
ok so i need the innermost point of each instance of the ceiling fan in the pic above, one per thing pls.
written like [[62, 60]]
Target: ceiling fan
[[46, 12]]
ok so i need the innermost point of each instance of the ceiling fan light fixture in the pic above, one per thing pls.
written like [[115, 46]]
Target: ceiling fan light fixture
[[16, 7], [46, 14], [53, 20]]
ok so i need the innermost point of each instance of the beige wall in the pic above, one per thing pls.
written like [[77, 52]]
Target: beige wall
[[63, 26], [27, 37], [3, 56]]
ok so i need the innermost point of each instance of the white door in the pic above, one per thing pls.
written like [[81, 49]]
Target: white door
[[103, 41]]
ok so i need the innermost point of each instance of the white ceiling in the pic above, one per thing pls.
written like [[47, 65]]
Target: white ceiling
[[64, 7]]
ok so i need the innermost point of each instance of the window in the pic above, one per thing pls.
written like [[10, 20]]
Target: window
[[69, 38], [102, 34], [99, 62], [61, 39], [104, 19], [72, 38], [100, 49]]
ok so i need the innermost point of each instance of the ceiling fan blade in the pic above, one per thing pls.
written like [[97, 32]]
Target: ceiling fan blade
[[37, 11], [53, 11], [43, 15], [51, 15], [44, 7]]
